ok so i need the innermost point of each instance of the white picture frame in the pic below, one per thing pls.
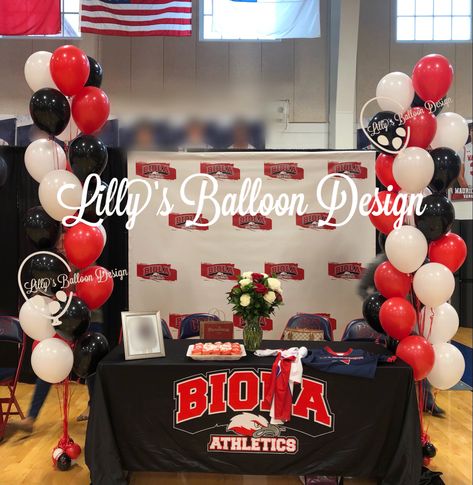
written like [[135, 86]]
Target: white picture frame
[[142, 335]]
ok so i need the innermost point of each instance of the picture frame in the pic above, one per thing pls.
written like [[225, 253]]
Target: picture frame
[[142, 335]]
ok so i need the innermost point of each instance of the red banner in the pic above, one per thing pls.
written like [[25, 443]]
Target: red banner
[[30, 17]]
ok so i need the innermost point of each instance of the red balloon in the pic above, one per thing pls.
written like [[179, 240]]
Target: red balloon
[[383, 222], [450, 250], [384, 171], [73, 451], [83, 244], [397, 317], [90, 109], [418, 353], [95, 286], [432, 77], [390, 282], [70, 69], [422, 124]]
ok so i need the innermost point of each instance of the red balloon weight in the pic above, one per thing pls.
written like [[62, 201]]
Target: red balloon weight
[[73, 451], [383, 222], [70, 69], [418, 353], [397, 317], [95, 286], [390, 282], [450, 250], [432, 77], [83, 244], [384, 171], [90, 109], [423, 125]]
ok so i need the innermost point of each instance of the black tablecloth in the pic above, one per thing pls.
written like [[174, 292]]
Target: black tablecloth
[[172, 413]]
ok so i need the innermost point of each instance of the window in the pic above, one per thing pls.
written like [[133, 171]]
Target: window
[[433, 20], [70, 21], [259, 19]]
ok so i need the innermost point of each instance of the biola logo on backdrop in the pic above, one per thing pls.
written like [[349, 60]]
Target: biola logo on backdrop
[[334, 193]]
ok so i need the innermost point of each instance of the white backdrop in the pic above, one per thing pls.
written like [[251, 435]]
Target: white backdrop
[[178, 270]]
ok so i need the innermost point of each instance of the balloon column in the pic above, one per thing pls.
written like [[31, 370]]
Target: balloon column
[[67, 100], [416, 282]]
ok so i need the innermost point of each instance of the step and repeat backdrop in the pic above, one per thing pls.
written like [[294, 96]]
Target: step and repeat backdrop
[[179, 269]]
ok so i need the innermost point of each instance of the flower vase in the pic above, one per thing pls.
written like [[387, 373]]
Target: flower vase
[[252, 334]]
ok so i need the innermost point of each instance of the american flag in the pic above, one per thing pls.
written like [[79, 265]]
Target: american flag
[[137, 17]]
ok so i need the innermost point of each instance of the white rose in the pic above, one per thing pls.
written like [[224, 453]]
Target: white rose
[[247, 274], [245, 282], [274, 284], [264, 275], [270, 296], [245, 300]]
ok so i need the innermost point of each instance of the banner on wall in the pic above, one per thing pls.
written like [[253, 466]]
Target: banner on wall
[[180, 269], [463, 188]]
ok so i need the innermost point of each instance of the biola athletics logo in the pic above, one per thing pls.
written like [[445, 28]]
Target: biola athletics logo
[[228, 408]]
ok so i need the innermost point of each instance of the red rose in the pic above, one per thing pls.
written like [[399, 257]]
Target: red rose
[[259, 288], [257, 276]]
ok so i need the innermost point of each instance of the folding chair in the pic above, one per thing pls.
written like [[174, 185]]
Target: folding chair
[[310, 321], [360, 330], [11, 334], [190, 325]]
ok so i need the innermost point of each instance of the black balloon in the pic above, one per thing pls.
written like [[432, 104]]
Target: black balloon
[[96, 73], [429, 450], [41, 229], [447, 169], [89, 350], [387, 130], [434, 108], [46, 270], [3, 172], [75, 321], [87, 154], [91, 211], [50, 110], [371, 308], [63, 462], [437, 216]]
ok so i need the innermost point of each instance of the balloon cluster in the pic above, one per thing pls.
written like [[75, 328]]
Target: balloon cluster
[[416, 282], [68, 104]]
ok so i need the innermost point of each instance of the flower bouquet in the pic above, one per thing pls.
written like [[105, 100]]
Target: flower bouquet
[[256, 295]]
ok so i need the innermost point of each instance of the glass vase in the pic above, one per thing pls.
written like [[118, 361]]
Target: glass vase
[[252, 334]]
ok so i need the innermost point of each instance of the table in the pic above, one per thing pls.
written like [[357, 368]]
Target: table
[[175, 414]]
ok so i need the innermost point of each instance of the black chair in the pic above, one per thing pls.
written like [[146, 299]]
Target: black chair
[[310, 321]]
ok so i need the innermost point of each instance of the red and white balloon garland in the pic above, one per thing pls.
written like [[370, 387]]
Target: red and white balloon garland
[[416, 282], [53, 76]]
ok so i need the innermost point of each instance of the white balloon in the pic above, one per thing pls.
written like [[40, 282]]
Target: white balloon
[[449, 366], [70, 132], [440, 323], [34, 318], [452, 131], [413, 169], [398, 87], [52, 360], [37, 73], [406, 248], [433, 284], [42, 156], [48, 192]]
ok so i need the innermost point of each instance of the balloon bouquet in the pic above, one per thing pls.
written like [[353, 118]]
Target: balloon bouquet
[[64, 82], [419, 155]]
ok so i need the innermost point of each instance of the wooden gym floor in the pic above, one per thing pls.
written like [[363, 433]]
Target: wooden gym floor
[[26, 459]]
